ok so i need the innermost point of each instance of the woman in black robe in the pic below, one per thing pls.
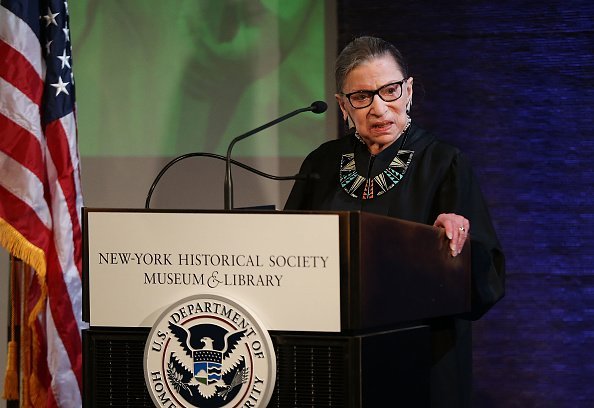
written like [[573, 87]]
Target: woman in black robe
[[388, 165]]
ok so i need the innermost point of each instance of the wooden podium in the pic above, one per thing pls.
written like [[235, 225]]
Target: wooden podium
[[395, 276]]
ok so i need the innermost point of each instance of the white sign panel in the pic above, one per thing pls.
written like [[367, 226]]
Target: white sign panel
[[285, 267]]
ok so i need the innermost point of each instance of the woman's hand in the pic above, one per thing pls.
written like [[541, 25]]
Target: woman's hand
[[457, 229]]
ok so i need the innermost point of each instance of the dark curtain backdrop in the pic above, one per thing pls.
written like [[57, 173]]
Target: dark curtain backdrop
[[512, 84]]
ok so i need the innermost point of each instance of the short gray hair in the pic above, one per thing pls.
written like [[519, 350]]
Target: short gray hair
[[363, 49]]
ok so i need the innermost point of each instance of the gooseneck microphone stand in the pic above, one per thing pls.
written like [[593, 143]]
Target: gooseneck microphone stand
[[315, 107], [147, 203]]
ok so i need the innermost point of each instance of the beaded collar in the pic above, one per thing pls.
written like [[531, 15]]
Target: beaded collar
[[358, 186]]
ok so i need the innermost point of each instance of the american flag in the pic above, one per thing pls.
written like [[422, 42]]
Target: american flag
[[40, 192]]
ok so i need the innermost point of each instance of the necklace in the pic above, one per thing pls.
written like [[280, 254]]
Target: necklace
[[357, 186]]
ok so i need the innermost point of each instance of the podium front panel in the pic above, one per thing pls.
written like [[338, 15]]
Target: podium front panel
[[283, 267]]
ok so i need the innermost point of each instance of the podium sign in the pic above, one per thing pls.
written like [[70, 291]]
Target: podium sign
[[286, 267]]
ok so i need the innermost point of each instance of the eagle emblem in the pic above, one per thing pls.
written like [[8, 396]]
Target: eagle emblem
[[208, 362], [211, 352]]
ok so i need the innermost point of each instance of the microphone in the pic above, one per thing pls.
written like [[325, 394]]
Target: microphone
[[315, 107], [299, 176], [319, 107]]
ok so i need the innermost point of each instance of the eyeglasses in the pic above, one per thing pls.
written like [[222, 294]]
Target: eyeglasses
[[388, 93]]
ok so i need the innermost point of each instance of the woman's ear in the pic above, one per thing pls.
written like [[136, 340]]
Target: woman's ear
[[409, 87], [340, 100]]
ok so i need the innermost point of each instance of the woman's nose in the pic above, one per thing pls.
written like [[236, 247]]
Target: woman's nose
[[378, 106]]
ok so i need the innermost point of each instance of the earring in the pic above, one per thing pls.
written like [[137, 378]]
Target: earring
[[408, 106], [352, 129], [358, 136]]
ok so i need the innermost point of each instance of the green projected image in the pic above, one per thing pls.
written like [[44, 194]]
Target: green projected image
[[161, 78]]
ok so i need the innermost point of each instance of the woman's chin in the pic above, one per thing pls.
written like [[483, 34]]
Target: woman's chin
[[381, 139]]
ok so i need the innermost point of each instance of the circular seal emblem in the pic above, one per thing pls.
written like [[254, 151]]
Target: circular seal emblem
[[209, 351]]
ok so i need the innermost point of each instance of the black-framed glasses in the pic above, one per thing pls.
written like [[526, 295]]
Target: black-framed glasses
[[388, 93]]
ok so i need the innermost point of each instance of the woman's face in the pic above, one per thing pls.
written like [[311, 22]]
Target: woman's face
[[380, 123]]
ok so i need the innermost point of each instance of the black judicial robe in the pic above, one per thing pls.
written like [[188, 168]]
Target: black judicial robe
[[438, 180]]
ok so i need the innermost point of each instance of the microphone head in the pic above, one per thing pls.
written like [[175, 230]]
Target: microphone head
[[319, 107]]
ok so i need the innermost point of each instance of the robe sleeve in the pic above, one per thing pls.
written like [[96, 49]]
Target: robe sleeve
[[323, 171], [460, 193], [298, 197]]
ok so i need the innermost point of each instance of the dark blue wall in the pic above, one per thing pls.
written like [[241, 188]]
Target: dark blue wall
[[512, 84]]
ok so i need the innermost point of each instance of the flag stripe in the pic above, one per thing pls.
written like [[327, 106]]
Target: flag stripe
[[64, 237], [23, 184], [64, 282], [69, 126], [61, 307], [57, 357], [21, 73], [19, 35], [27, 221], [17, 107], [59, 150], [22, 147]]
